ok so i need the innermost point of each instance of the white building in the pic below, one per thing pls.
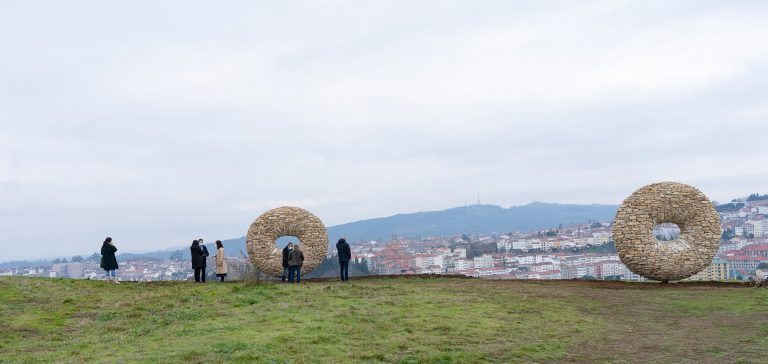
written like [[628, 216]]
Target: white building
[[541, 267], [754, 227], [424, 261], [483, 261], [610, 268], [463, 264]]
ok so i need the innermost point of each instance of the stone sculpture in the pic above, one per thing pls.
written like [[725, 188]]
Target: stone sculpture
[[286, 221], [667, 202]]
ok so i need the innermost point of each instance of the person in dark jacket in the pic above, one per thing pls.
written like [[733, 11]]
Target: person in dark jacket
[[204, 257], [108, 260], [295, 261], [197, 260], [286, 250], [345, 254]]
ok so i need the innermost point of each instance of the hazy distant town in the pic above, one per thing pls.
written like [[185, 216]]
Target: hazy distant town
[[582, 251]]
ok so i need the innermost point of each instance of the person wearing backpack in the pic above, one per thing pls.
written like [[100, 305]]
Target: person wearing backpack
[[286, 250], [108, 260]]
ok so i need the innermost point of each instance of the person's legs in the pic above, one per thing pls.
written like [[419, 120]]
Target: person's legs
[[197, 274], [222, 277], [202, 274], [345, 270], [298, 274], [291, 271], [285, 274]]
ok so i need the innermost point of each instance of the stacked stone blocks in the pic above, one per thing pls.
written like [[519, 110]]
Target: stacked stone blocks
[[667, 202], [286, 221]]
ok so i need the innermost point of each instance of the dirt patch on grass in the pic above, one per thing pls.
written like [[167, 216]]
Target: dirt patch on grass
[[557, 282], [678, 322]]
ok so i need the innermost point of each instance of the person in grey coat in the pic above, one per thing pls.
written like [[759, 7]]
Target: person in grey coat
[[295, 261]]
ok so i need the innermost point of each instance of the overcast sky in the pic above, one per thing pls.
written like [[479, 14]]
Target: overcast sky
[[157, 122]]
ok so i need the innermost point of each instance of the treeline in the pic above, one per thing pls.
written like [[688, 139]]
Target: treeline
[[329, 267], [729, 207], [756, 197]]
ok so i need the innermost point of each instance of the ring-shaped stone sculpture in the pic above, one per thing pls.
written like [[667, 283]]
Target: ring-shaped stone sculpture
[[667, 202], [286, 221]]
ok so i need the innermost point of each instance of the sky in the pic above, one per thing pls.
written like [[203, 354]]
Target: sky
[[160, 122]]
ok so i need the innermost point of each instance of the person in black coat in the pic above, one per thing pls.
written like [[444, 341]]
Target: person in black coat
[[286, 250], [198, 264], [108, 259], [204, 256], [345, 255]]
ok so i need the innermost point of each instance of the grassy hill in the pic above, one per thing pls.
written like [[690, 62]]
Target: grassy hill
[[407, 320]]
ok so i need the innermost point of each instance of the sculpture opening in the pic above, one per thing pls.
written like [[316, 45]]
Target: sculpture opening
[[666, 231], [283, 241]]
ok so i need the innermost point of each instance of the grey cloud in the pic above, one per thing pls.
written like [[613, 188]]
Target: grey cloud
[[157, 122]]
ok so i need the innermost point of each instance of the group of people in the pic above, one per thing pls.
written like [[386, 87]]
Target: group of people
[[199, 253], [293, 259]]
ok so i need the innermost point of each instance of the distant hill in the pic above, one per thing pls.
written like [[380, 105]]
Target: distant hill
[[472, 220], [475, 219]]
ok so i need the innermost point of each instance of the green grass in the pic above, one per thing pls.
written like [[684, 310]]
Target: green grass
[[404, 320]]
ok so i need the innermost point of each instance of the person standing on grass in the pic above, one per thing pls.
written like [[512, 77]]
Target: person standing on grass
[[204, 255], [345, 254], [197, 259], [221, 264], [286, 250], [108, 260], [295, 261]]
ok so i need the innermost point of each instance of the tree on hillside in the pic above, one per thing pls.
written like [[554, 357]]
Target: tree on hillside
[[729, 207], [76, 259], [728, 234], [177, 256], [95, 257], [756, 197]]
